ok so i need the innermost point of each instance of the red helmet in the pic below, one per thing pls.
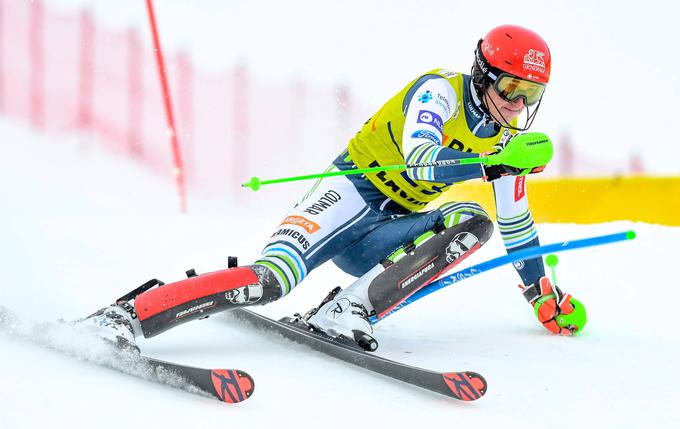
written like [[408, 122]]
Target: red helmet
[[518, 51], [516, 61]]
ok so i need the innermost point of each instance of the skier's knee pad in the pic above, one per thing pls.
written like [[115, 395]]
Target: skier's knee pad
[[418, 262], [199, 296], [476, 229], [454, 213]]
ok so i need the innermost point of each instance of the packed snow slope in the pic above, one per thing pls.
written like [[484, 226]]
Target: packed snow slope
[[80, 228]]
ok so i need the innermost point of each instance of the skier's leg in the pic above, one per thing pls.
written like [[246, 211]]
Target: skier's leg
[[465, 228], [156, 307], [429, 243], [331, 217], [197, 297], [363, 255]]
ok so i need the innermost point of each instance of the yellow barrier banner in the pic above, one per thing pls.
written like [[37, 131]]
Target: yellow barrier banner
[[587, 200]]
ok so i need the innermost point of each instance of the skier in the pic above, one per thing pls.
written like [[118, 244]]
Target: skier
[[372, 226]]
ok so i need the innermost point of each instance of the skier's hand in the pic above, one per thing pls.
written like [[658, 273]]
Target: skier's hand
[[559, 312], [493, 172]]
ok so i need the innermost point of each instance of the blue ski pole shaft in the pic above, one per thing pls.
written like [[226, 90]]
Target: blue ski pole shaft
[[530, 252]]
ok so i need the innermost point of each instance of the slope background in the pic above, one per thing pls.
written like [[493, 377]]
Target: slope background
[[611, 59]]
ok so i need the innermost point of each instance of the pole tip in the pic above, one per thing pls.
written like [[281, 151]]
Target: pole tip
[[253, 184], [551, 260], [630, 235]]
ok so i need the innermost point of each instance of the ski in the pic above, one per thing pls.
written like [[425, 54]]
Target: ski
[[463, 385], [227, 385]]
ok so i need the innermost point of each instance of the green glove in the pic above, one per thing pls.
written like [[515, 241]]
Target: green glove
[[559, 313], [521, 154]]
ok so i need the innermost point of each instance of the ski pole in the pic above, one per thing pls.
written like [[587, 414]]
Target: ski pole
[[507, 259], [551, 261], [255, 182], [524, 151]]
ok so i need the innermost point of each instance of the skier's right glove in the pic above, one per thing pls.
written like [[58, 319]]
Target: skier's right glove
[[559, 313], [493, 172]]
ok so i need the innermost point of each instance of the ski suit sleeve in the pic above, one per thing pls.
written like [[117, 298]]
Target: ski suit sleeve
[[431, 104], [516, 224]]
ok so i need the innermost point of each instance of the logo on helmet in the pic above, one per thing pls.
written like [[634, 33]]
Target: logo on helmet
[[480, 63], [488, 47], [533, 60]]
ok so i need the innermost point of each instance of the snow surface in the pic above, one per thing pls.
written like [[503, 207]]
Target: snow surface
[[80, 228]]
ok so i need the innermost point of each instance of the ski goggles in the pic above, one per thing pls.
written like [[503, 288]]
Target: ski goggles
[[510, 88]]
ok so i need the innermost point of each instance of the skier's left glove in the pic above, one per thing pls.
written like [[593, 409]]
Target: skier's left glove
[[559, 312], [493, 172]]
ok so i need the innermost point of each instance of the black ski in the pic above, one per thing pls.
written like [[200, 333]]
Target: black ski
[[465, 385], [227, 385]]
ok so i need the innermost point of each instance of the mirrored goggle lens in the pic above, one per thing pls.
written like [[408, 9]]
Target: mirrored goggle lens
[[511, 88]]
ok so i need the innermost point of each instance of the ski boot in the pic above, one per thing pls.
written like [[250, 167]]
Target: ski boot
[[343, 315], [116, 325]]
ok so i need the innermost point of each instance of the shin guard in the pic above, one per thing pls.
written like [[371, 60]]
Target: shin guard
[[197, 297], [416, 264]]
